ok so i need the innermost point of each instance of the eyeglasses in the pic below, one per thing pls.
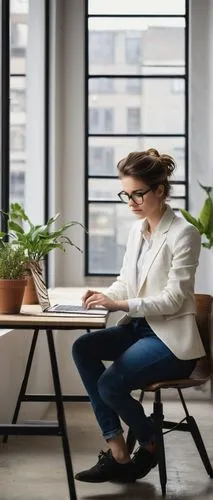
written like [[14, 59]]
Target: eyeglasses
[[136, 196]]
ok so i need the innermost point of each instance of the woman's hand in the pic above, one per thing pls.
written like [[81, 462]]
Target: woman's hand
[[93, 298]]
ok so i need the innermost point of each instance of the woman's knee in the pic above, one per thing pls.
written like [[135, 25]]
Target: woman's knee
[[80, 345]]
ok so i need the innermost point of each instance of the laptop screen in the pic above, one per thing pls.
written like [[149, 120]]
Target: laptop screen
[[40, 285]]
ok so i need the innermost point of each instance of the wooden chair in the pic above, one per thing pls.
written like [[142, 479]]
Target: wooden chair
[[199, 376]]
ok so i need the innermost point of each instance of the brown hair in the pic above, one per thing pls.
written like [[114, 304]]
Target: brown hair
[[150, 167]]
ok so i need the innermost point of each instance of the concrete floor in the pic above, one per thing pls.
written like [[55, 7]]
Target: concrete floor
[[32, 468]]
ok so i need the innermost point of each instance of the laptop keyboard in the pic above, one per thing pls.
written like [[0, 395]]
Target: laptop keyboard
[[77, 310], [69, 308]]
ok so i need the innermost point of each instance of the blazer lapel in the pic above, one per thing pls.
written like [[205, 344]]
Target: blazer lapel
[[156, 246], [133, 265], [158, 239]]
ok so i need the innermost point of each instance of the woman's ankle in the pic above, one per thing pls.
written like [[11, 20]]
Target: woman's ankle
[[119, 450], [122, 459]]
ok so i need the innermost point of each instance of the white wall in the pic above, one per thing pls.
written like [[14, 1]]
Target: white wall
[[201, 123], [14, 349]]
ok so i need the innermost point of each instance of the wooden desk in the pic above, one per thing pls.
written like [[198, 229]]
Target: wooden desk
[[30, 319]]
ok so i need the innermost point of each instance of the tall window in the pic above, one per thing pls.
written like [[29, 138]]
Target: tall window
[[136, 99], [18, 41]]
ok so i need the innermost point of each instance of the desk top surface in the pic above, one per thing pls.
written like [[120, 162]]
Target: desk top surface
[[31, 316]]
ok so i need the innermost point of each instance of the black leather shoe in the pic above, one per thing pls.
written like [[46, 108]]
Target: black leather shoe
[[107, 469], [143, 461]]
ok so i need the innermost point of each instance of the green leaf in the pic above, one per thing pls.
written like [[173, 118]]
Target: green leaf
[[207, 244], [15, 227], [206, 215], [207, 189], [53, 219], [192, 220], [39, 231]]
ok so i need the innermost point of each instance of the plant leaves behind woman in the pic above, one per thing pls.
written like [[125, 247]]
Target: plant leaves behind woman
[[204, 222]]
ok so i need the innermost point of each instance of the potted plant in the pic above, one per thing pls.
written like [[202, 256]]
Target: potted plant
[[12, 277], [36, 241], [204, 222]]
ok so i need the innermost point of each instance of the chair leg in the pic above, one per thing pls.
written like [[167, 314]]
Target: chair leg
[[197, 437], [158, 417], [131, 439], [200, 445]]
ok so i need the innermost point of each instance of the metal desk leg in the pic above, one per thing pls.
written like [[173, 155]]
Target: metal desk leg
[[25, 381], [61, 416]]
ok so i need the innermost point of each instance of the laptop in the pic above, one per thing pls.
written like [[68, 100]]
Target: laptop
[[60, 309]]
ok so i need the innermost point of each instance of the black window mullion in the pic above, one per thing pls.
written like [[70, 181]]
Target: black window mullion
[[136, 76], [175, 16], [86, 136], [18, 75], [117, 202], [187, 103], [5, 108], [112, 177], [136, 135]]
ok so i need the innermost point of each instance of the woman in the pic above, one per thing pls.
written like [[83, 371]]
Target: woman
[[157, 339]]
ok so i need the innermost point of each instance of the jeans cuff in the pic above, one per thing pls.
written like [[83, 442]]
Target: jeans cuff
[[113, 434]]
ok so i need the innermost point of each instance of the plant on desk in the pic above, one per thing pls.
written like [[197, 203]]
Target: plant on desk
[[36, 241], [12, 277]]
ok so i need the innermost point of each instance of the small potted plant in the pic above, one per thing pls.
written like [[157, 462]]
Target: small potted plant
[[12, 277], [36, 241]]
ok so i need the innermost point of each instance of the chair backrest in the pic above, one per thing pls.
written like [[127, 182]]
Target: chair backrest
[[203, 318]]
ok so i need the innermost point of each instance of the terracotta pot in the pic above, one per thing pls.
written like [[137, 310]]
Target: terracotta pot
[[11, 295], [30, 295]]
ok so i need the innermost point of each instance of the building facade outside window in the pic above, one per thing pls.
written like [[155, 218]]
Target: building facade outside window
[[137, 99], [18, 117], [101, 159], [133, 120], [133, 49], [101, 47], [101, 120]]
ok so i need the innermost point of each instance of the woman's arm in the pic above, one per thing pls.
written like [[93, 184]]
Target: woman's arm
[[180, 278], [180, 282], [115, 293]]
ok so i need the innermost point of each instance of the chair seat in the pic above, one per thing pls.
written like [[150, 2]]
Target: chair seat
[[199, 376], [175, 384]]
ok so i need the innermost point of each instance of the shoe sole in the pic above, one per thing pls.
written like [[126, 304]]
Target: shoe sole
[[112, 480], [147, 471]]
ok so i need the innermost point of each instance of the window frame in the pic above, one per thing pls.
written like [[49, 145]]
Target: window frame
[[6, 75], [183, 135]]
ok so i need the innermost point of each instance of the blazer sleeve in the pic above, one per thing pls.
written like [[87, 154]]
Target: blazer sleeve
[[186, 251]]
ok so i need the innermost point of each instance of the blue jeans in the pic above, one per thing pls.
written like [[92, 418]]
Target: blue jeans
[[140, 358]]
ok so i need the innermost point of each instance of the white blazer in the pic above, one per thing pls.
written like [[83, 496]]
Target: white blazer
[[167, 283]]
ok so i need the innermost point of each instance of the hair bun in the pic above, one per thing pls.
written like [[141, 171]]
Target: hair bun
[[169, 164], [153, 152]]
